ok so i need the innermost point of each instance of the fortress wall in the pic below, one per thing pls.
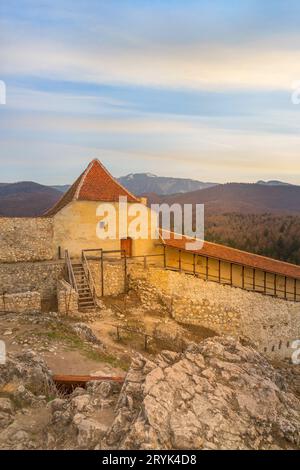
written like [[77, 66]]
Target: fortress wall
[[32, 276], [25, 239], [210, 269], [67, 299], [113, 277], [271, 324], [23, 302]]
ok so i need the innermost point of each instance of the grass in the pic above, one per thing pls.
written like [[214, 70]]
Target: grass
[[75, 343]]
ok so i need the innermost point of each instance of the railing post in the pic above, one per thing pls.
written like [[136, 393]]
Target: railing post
[[125, 273], [285, 287], [102, 275], [243, 277], [194, 263], [165, 257]]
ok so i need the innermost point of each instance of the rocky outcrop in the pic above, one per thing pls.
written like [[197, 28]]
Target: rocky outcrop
[[86, 333], [219, 394], [27, 370], [35, 415]]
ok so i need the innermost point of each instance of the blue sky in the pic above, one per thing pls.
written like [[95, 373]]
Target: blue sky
[[198, 89]]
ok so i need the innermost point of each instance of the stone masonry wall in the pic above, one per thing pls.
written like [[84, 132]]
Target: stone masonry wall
[[41, 277], [25, 239], [22, 302], [67, 299], [113, 277], [272, 324]]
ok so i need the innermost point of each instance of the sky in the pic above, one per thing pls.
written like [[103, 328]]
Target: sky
[[185, 88]]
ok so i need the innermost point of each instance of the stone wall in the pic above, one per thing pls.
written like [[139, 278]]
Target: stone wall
[[270, 323], [32, 276], [113, 276], [22, 302], [25, 239], [67, 299]]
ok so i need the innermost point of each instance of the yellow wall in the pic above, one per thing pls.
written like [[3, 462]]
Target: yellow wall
[[75, 230]]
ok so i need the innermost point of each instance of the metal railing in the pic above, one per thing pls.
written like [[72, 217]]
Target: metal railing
[[70, 272]]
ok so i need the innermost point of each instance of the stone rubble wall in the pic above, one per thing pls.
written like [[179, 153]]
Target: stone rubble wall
[[21, 277], [26, 239], [32, 276], [271, 324], [67, 299], [25, 302], [113, 277]]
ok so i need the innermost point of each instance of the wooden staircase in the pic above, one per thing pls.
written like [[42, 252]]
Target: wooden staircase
[[85, 297]]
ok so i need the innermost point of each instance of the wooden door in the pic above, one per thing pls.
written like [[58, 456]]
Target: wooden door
[[126, 245]]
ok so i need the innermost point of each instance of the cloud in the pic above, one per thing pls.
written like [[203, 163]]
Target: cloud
[[168, 145], [195, 68], [195, 48]]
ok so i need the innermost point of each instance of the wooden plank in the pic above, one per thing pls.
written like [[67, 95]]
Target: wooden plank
[[83, 379]]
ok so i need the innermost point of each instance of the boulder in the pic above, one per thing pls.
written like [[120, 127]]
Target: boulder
[[218, 394]]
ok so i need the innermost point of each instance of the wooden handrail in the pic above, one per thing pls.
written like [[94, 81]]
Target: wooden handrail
[[88, 273], [71, 275]]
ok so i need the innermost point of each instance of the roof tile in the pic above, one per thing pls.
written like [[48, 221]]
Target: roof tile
[[233, 255]]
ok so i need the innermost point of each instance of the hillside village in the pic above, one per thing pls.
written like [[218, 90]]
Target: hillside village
[[107, 338]]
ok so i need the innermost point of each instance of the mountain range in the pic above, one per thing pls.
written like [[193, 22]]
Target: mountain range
[[26, 198], [239, 198], [139, 183]]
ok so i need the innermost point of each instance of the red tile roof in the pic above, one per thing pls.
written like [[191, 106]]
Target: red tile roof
[[94, 184], [232, 255]]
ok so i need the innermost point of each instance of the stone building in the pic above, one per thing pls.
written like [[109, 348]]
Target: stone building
[[46, 260]]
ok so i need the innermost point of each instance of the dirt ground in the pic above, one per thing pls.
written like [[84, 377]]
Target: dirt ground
[[52, 337]]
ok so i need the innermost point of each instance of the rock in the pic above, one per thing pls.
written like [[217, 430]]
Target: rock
[[81, 403], [58, 404], [86, 333], [6, 406], [103, 389], [5, 419], [7, 333], [20, 437], [217, 394], [28, 369], [90, 432]]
